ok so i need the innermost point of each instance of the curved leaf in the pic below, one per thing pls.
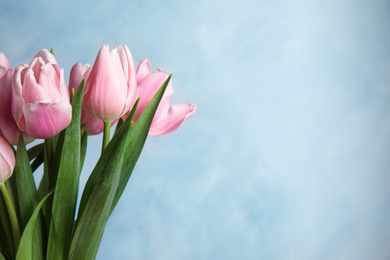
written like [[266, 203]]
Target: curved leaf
[[28, 244], [90, 226], [66, 188], [137, 140]]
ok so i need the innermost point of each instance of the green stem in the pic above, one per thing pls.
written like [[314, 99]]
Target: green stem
[[106, 135], [12, 215]]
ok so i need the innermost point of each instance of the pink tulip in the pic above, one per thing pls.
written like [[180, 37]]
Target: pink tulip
[[41, 102], [167, 118], [110, 89], [8, 126], [93, 125], [7, 160]]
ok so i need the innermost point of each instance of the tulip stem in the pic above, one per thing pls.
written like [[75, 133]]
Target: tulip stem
[[12, 215], [106, 135]]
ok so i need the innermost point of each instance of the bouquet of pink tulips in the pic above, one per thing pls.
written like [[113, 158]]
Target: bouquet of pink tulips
[[40, 221]]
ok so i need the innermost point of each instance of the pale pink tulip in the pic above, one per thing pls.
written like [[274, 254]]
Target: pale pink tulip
[[41, 102], [93, 125], [8, 127], [7, 160], [111, 87], [167, 118]]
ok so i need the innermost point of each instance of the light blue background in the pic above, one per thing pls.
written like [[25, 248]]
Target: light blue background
[[287, 156]]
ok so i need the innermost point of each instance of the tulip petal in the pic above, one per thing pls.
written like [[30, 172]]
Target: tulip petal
[[77, 73], [46, 56], [143, 69], [4, 61], [17, 99], [7, 160], [175, 117], [45, 119], [148, 87]]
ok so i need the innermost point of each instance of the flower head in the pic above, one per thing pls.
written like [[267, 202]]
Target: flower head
[[41, 102], [167, 118], [111, 86]]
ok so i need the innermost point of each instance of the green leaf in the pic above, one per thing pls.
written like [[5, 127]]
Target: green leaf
[[90, 226], [27, 194], [7, 245], [97, 171], [138, 137], [13, 192], [2, 257], [83, 148], [35, 151], [37, 161], [66, 188], [28, 243]]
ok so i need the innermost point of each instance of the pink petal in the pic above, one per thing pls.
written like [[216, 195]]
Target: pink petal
[[7, 160], [17, 99], [4, 61], [143, 69], [46, 56], [148, 87], [45, 120], [175, 117]]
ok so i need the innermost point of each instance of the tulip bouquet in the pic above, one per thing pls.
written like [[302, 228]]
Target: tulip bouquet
[[41, 219]]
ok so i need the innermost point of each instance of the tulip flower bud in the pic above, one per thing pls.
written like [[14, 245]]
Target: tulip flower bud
[[7, 160], [41, 101], [110, 89], [93, 125], [167, 118]]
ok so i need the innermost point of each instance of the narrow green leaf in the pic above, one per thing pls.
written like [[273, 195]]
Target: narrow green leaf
[[90, 227], [97, 171], [27, 194], [66, 188], [83, 148], [28, 243], [57, 156], [118, 125], [35, 151], [2, 257], [13, 193], [138, 137], [7, 245], [37, 161]]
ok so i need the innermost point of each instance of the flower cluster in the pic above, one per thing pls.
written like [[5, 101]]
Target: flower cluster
[[40, 221], [35, 100]]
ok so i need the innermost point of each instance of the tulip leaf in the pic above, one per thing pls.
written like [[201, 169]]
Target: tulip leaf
[[138, 137], [27, 194], [66, 188], [2, 257], [27, 243], [13, 193], [26, 189], [97, 171], [37, 161], [7, 245], [35, 151], [90, 225], [83, 148]]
